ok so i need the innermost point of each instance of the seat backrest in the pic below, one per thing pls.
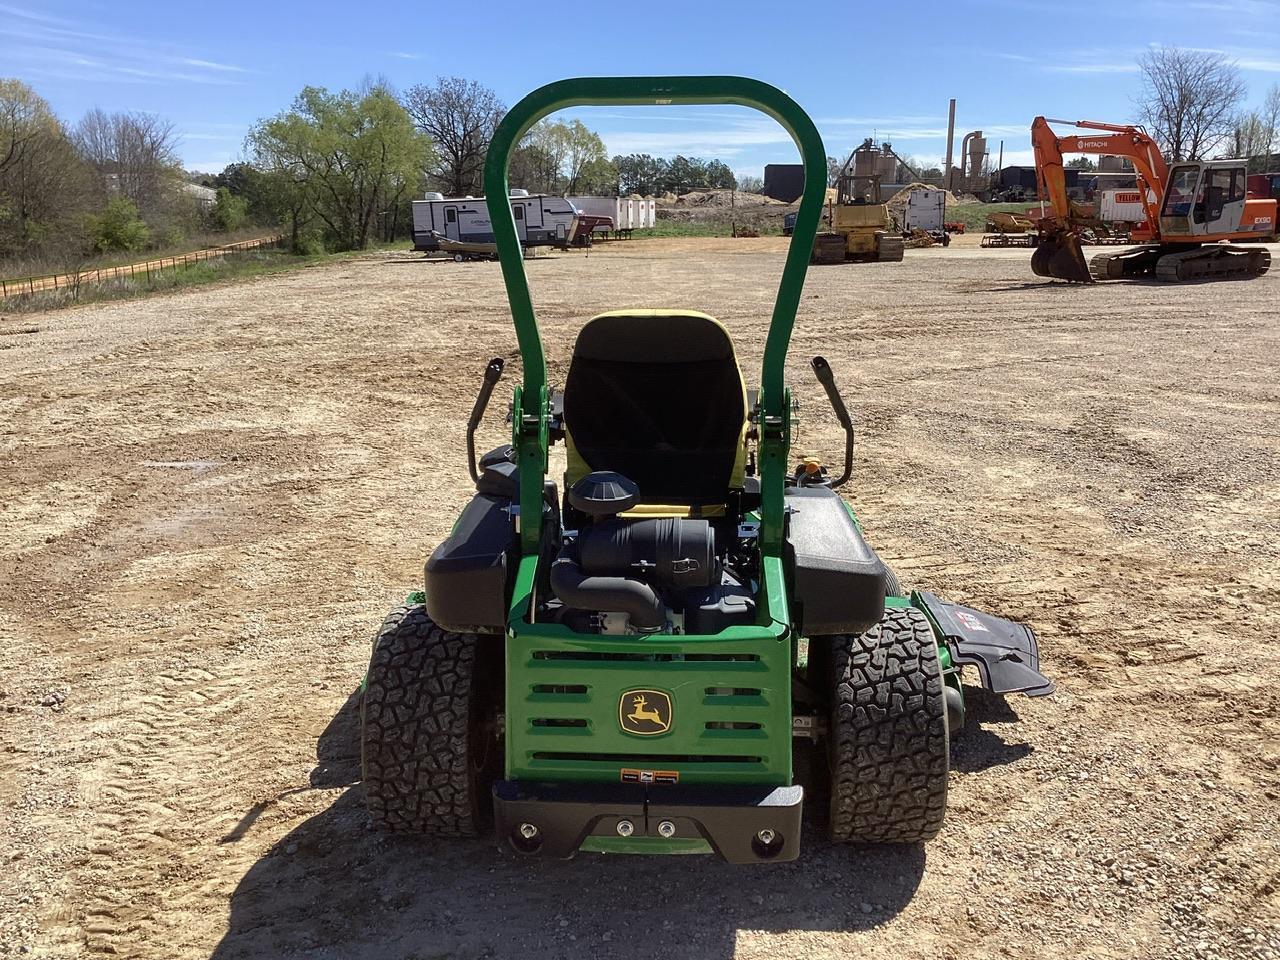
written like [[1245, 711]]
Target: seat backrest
[[658, 397]]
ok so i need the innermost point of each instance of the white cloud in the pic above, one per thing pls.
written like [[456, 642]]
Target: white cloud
[[52, 45], [724, 141], [405, 56], [211, 65], [1118, 67], [210, 163], [25, 14], [878, 121], [1262, 65], [1013, 158]]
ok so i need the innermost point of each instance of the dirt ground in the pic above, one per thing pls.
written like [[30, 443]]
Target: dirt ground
[[209, 499]]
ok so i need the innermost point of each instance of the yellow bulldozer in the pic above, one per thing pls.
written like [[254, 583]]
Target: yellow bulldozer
[[860, 225]]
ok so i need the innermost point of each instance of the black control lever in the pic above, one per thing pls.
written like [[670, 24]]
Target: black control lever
[[492, 373], [822, 370]]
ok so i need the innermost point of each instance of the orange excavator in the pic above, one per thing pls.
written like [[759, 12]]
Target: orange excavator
[[1194, 211]]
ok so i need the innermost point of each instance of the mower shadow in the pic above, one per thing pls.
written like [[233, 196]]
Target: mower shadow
[[335, 887], [337, 764], [980, 748]]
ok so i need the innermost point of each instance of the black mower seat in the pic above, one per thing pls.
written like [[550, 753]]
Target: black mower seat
[[657, 396]]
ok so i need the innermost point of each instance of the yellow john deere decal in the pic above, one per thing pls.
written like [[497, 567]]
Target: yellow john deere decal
[[645, 713]]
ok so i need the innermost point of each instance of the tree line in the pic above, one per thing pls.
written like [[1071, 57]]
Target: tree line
[[334, 170], [110, 182]]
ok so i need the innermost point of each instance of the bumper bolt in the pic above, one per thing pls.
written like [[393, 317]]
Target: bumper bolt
[[626, 828], [666, 829], [528, 831], [766, 836]]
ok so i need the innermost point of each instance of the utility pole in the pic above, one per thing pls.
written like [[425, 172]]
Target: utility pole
[[951, 136]]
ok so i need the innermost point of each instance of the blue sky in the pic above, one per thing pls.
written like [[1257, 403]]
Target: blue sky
[[215, 68]]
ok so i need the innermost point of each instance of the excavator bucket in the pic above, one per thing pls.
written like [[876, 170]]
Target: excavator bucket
[[1060, 256]]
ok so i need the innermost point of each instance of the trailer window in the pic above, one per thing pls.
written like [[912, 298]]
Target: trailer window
[[518, 211], [451, 215]]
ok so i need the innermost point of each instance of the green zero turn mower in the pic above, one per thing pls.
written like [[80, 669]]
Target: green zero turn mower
[[645, 663]]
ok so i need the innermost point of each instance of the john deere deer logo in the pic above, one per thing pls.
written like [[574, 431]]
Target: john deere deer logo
[[645, 712]]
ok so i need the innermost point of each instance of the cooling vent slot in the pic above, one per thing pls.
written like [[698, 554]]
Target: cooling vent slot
[[587, 656], [645, 758], [560, 688]]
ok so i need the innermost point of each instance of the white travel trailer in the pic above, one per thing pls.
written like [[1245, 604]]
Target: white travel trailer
[[600, 207], [540, 220]]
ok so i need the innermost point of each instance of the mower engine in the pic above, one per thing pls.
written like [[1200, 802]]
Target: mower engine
[[659, 575]]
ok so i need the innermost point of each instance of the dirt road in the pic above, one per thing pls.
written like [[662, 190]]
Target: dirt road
[[208, 501]]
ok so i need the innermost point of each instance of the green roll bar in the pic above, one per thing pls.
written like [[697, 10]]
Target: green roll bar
[[530, 420]]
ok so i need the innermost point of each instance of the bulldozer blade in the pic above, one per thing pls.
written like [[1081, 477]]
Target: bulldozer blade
[[1061, 257]]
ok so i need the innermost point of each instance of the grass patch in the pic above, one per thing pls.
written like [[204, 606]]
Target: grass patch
[[232, 266], [21, 268], [718, 228], [974, 215]]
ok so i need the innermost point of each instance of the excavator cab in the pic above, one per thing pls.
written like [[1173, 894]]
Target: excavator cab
[[1204, 199]]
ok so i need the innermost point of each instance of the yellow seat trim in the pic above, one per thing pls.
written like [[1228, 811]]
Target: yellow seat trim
[[654, 511]]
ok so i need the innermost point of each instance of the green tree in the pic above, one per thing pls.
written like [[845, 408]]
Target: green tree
[[45, 188], [1082, 163], [229, 211], [350, 156], [834, 166], [597, 178], [683, 174], [640, 173], [119, 228], [718, 174], [585, 154]]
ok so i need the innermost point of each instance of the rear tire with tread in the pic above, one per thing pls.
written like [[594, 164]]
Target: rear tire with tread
[[428, 747], [892, 585], [888, 748]]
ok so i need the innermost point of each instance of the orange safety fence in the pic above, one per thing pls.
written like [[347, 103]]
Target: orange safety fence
[[61, 281]]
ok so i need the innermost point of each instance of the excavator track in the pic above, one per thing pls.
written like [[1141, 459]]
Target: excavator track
[[1137, 262], [1217, 261]]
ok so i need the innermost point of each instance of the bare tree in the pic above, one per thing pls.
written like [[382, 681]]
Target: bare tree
[[135, 152], [460, 117], [1257, 134], [1189, 99]]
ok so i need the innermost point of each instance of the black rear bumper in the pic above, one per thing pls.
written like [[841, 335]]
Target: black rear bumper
[[729, 818]]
